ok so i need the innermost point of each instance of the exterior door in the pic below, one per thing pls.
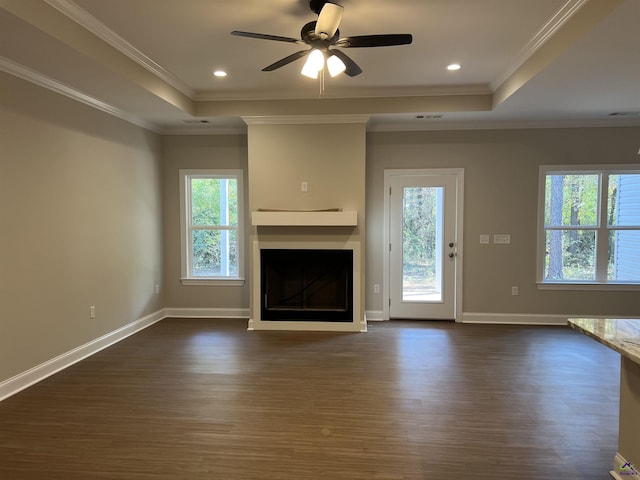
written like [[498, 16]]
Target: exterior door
[[423, 245]]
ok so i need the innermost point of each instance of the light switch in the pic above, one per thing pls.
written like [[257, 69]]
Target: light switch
[[484, 239], [502, 239]]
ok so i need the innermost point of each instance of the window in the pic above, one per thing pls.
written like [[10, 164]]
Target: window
[[211, 220], [589, 226]]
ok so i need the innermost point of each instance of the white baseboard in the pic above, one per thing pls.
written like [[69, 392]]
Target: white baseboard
[[514, 318], [25, 379], [241, 313], [493, 318], [618, 473], [306, 326], [374, 315]]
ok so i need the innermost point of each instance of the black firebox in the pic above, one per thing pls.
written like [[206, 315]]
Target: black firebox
[[307, 285]]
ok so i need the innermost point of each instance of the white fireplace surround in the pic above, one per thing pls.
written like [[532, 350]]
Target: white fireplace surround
[[255, 322]]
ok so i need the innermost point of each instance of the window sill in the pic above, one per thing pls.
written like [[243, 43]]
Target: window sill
[[607, 287], [219, 282]]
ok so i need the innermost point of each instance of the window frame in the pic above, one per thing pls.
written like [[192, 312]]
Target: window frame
[[186, 227], [602, 228]]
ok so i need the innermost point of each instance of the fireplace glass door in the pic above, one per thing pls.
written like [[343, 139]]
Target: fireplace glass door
[[312, 285]]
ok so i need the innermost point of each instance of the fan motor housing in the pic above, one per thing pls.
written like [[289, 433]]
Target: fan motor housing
[[308, 35]]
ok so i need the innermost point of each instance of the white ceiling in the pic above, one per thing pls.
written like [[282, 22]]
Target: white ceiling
[[524, 62]]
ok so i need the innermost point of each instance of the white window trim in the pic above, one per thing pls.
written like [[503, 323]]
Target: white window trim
[[185, 212], [574, 284]]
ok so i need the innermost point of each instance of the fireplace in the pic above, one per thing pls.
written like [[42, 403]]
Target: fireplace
[[306, 285]]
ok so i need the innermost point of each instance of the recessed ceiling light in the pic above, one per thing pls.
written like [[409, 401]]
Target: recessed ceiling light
[[454, 66], [220, 73]]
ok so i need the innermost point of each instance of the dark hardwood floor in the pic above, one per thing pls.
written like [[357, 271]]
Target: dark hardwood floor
[[205, 399]]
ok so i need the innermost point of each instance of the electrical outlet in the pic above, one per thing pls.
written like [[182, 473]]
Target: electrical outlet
[[92, 312], [157, 289], [304, 187], [376, 288], [514, 291]]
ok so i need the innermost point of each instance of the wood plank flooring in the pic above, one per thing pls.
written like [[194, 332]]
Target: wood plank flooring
[[206, 399]]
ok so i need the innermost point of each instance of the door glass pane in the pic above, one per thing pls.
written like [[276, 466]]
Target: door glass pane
[[422, 244]]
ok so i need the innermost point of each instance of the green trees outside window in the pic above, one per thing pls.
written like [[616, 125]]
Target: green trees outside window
[[591, 227], [211, 221], [214, 221]]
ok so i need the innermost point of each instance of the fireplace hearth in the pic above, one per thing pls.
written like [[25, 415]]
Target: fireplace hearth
[[306, 285]]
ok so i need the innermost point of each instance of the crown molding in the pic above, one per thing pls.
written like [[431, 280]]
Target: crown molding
[[347, 93], [99, 29], [501, 125], [203, 131], [37, 78], [305, 119], [555, 23]]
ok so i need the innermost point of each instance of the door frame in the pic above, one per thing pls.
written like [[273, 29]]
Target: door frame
[[388, 174]]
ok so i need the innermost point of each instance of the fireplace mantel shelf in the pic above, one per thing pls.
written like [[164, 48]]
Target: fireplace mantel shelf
[[304, 219]]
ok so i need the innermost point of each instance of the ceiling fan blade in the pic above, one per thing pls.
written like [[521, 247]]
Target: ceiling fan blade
[[386, 40], [352, 67], [329, 20], [263, 36], [285, 61]]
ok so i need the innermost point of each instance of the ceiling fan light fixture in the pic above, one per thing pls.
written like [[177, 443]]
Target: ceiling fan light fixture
[[335, 66], [328, 20], [314, 63], [322, 35]]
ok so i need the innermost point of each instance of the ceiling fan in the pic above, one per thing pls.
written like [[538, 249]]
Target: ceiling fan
[[322, 36]]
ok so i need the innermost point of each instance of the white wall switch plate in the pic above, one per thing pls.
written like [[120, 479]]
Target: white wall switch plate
[[502, 239], [484, 239]]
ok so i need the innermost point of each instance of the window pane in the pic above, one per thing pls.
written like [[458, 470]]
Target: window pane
[[624, 256], [571, 200], [422, 244], [215, 253], [214, 201], [570, 255], [624, 200]]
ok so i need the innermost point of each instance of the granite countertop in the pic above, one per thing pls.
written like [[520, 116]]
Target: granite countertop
[[622, 335]]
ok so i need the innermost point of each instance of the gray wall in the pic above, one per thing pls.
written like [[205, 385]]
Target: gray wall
[[89, 213], [501, 196], [196, 152], [80, 216]]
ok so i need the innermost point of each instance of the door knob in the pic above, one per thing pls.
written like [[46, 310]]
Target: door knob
[[451, 244], [451, 254]]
